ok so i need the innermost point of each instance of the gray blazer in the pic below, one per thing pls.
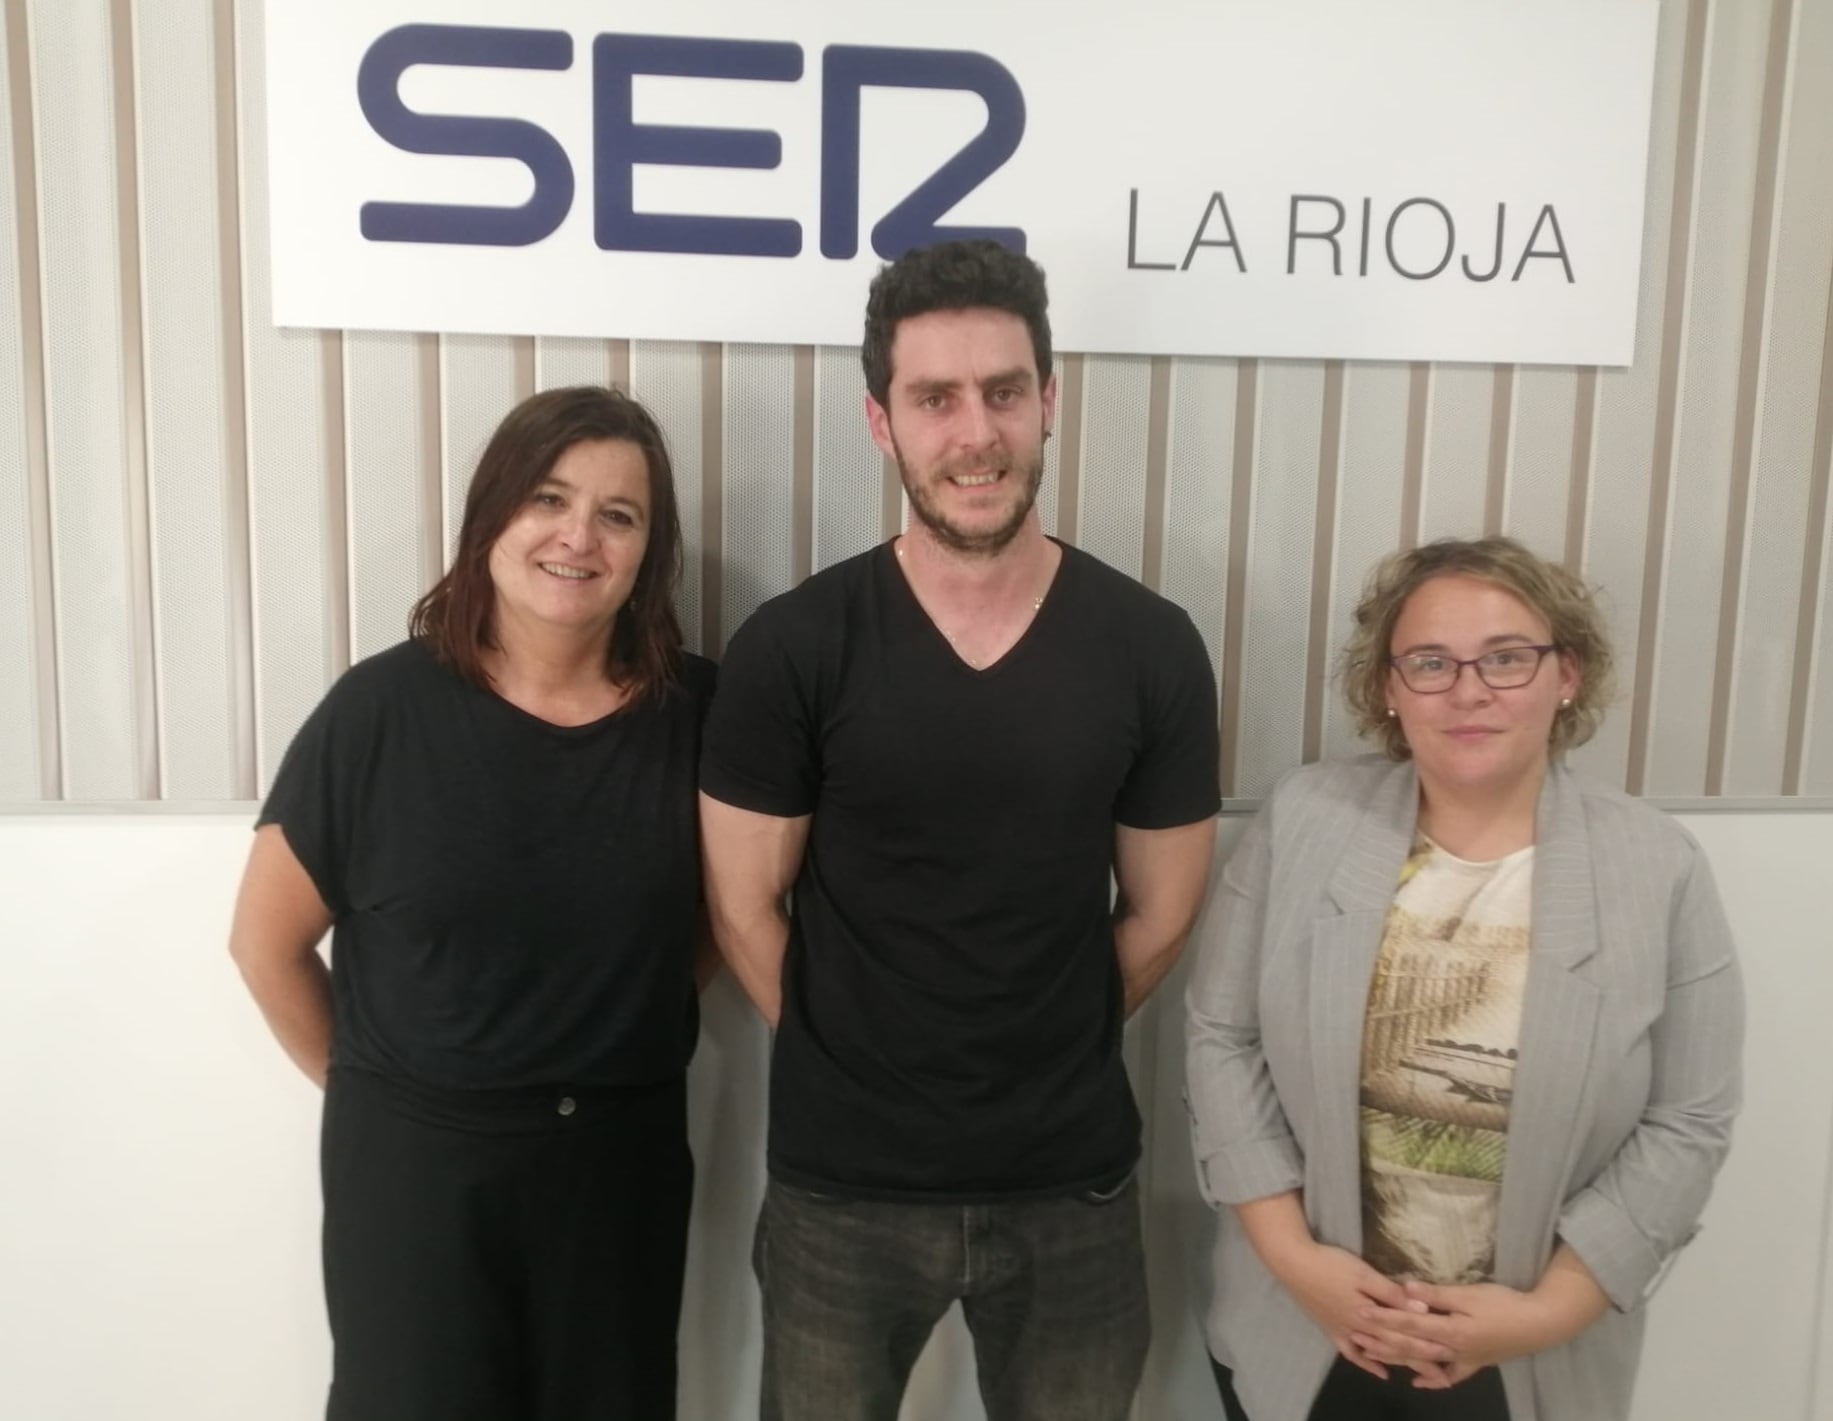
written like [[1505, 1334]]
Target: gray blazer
[[1625, 1089]]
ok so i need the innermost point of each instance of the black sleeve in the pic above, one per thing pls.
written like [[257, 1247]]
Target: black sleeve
[[313, 797], [758, 751], [1177, 777]]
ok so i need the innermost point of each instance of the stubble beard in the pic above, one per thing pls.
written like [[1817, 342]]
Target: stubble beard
[[977, 543]]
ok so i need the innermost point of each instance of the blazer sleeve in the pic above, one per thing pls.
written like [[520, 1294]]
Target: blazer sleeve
[[1630, 1221], [1242, 1140]]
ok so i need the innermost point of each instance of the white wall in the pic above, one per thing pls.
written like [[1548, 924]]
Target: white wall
[[159, 1199]]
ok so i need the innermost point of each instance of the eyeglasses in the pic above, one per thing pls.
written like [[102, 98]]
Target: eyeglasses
[[1428, 674]]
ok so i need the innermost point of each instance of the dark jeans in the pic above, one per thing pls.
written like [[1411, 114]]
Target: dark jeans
[[503, 1255], [1053, 1292], [1351, 1394]]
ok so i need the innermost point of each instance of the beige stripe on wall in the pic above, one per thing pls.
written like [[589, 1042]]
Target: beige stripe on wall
[[1680, 223], [47, 740], [1158, 444], [1241, 500], [1584, 452], [1069, 455], [1401, 450], [802, 528], [340, 615], [1814, 571], [1501, 408], [133, 382], [1318, 646], [1419, 413], [236, 434], [1766, 206], [712, 494]]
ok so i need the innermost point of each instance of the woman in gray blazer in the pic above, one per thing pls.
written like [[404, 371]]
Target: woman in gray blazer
[[1464, 1031]]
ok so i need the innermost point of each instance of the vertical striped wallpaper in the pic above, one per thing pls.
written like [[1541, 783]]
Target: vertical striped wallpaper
[[203, 519]]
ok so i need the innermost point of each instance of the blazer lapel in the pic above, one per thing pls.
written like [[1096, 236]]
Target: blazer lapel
[[1344, 947], [1554, 1084], [1366, 869]]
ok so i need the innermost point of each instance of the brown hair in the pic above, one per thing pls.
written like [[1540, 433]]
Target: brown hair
[[1554, 593], [454, 620]]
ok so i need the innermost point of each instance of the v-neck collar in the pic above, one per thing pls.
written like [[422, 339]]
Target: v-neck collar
[[905, 595]]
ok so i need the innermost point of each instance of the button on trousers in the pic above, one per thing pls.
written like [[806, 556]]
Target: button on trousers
[[503, 1256]]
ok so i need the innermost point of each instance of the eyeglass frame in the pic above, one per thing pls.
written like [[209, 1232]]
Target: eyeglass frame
[[1475, 662]]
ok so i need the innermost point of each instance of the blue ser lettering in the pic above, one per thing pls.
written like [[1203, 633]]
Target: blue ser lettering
[[846, 71], [620, 144], [378, 82]]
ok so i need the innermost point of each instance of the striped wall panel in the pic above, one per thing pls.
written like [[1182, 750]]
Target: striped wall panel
[[203, 518]]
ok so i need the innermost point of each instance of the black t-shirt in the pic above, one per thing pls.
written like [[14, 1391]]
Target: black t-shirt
[[952, 1006], [515, 902]]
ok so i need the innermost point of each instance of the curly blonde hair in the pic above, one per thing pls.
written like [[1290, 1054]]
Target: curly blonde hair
[[1554, 593]]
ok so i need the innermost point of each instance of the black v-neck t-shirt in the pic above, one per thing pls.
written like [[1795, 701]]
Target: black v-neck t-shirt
[[952, 1005], [515, 903]]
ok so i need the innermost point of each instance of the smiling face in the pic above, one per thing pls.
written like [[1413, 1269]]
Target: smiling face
[[1473, 737], [569, 557], [965, 421]]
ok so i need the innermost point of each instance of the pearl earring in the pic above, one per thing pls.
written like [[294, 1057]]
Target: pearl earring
[[1392, 714], [1565, 703]]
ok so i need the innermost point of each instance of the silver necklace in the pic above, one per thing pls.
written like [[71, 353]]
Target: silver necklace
[[1037, 604]]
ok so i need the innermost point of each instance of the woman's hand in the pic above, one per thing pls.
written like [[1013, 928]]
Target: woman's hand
[[1340, 1293], [1332, 1286], [1481, 1325], [1466, 1328]]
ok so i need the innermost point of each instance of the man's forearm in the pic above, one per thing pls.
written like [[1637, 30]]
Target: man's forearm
[[752, 860], [1161, 875], [1147, 952], [754, 947]]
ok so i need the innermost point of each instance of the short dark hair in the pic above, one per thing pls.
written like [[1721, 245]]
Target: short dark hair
[[454, 620], [952, 276]]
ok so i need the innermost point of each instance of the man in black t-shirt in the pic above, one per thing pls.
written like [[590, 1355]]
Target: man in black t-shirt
[[949, 747]]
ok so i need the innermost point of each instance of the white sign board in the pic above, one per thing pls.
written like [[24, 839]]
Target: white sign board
[[1402, 180]]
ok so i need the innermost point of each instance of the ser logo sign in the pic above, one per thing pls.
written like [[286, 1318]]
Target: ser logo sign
[[620, 144]]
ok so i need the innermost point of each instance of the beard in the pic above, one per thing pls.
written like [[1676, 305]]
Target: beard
[[979, 541]]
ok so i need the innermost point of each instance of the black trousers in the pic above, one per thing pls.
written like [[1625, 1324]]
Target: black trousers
[[1351, 1394], [503, 1255]]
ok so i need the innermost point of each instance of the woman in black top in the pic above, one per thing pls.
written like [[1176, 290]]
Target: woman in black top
[[496, 821]]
